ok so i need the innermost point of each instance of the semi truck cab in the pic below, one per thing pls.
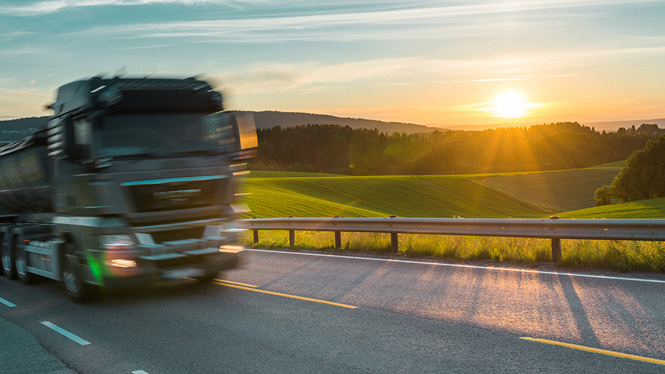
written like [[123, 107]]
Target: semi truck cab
[[132, 181]]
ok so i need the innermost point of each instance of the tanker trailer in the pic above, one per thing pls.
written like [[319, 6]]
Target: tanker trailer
[[132, 181]]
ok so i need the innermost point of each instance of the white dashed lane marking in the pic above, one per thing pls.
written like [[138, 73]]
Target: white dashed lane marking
[[9, 304], [65, 333]]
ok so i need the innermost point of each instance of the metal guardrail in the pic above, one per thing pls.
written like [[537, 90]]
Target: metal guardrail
[[554, 228]]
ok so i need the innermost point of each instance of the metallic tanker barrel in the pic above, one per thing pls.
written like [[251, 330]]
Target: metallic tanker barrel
[[25, 178]]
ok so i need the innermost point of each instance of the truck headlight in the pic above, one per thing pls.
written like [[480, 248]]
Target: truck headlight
[[231, 248], [121, 263], [116, 242]]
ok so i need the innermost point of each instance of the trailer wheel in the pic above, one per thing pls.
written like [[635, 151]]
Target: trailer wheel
[[76, 288], [21, 262], [7, 257]]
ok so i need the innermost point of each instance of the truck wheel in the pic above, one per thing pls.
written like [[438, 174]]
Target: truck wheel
[[21, 262], [7, 257], [208, 276], [76, 288]]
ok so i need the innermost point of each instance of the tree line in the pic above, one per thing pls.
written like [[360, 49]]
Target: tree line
[[343, 150]]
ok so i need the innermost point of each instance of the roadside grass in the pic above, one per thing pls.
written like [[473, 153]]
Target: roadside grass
[[621, 256]]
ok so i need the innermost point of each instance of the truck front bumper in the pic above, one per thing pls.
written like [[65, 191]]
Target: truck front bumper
[[115, 270]]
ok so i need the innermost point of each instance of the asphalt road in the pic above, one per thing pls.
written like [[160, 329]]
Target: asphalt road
[[305, 313]]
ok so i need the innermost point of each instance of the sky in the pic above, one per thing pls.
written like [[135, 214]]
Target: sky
[[436, 63]]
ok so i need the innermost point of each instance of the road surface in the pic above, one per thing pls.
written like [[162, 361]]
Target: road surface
[[297, 312]]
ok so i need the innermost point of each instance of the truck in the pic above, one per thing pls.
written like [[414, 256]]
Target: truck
[[131, 181]]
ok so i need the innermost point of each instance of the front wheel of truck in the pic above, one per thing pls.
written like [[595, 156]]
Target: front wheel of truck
[[208, 276], [21, 262], [76, 288], [7, 257]]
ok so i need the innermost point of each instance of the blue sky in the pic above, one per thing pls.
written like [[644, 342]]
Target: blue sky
[[427, 62]]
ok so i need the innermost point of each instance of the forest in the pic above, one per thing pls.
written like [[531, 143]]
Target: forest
[[343, 150]]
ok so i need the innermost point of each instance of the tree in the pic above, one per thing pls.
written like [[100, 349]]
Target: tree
[[643, 177], [604, 195]]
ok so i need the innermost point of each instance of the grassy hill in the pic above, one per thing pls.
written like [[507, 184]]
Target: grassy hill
[[556, 191], [654, 208], [523, 195]]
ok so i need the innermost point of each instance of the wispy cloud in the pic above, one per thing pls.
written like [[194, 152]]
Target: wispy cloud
[[499, 79], [321, 21], [52, 6], [470, 7], [276, 77]]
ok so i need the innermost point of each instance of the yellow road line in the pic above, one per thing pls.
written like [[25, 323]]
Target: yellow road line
[[596, 350], [286, 295], [236, 283]]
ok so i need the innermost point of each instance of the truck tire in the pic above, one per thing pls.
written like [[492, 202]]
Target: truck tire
[[21, 261], [7, 257], [76, 288], [208, 276]]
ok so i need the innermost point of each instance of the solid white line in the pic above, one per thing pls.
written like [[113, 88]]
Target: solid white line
[[139, 372], [66, 333], [464, 266], [3, 301]]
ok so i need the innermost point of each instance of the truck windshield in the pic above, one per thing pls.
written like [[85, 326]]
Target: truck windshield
[[164, 134]]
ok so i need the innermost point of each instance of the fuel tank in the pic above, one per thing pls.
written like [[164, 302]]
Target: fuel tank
[[25, 178]]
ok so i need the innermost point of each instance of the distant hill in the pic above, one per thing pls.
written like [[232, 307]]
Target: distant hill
[[615, 125], [15, 129], [268, 119]]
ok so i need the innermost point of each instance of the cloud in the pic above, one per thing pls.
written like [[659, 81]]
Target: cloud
[[52, 6], [287, 21], [277, 77], [421, 8]]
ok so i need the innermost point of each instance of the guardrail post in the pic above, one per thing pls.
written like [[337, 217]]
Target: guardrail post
[[394, 240], [292, 236], [556, 246], [338, 239], [256, 234]]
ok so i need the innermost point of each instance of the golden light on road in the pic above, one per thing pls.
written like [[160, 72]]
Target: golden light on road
[[510, 104]]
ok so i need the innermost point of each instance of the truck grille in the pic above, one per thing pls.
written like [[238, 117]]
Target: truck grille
[[173, 195]]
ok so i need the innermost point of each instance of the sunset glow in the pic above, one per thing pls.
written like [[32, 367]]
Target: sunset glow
[[510, 104]]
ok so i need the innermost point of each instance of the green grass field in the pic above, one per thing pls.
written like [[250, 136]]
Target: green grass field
[[654, 208], [517, 195], [566, 193], [404, 196], [554, 191]]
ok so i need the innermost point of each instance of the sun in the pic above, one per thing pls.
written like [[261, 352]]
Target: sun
[[510, 104]]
